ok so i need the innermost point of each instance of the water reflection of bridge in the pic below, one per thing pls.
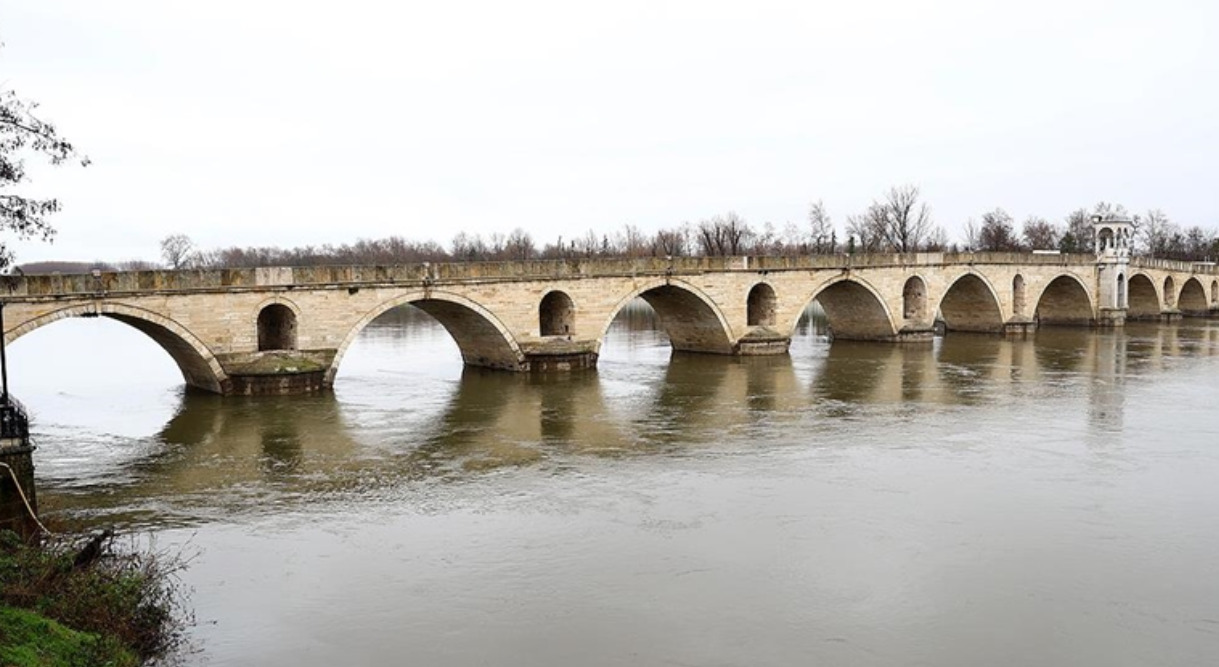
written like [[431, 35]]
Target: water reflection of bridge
[[296, 449]]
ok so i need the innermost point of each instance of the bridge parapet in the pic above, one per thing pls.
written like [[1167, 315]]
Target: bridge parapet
[[211, 280], [1175, 265]]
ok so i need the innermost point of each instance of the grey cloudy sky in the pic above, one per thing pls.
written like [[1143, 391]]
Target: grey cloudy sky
[[247, 122]]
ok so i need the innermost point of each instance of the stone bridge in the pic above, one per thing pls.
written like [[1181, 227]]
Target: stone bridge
[[285, 330]]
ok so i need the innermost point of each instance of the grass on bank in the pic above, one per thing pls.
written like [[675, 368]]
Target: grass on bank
[[87, 601], [30, 640]]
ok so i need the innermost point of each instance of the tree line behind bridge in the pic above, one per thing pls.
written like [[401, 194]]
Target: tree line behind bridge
[[896, 222]]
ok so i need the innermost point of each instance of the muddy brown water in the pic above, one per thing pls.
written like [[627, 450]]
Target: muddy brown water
[[1050, 500]]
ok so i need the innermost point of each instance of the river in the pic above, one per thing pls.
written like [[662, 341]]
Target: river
[[976, 501]]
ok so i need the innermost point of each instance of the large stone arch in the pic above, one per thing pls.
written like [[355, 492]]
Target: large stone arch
[[482, 339], [855, 310], [1142, 298], [1193, 298], [691, 319], [1065, 301], [197, 363], [971, 304]]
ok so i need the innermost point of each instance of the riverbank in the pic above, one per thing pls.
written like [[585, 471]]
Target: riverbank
[[87, 600]]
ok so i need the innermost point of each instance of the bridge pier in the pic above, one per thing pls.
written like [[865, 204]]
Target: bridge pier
[[762, 341], [911, 335], [275, 372], [1111, 317], [558, 354], [1019, 326]]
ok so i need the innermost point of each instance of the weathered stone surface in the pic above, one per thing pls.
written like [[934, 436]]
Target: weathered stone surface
[[550, 315], [18, 469]]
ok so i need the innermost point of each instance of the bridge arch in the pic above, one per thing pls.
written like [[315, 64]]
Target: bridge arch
[[760, 306], [1143, 301], [482, 339], [1193, 297], [691, 319], [854, 308], [971, 304], [914, 299], [198, 365], [556, 314], [1066, 301], [276, 324]]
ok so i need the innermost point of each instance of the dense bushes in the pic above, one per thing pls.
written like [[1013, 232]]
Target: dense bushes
[[127, 601]]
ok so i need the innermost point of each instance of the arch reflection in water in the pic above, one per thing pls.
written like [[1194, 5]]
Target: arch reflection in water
[[410, 411]]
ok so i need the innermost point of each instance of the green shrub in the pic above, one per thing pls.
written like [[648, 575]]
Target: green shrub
[[121, 594]]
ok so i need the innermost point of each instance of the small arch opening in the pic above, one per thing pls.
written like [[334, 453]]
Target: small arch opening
[[1104, 240], [1170, 292], [761, 306], [1215, 292], [1018, 303], [914, 299], [556, 315], [276, 328], [1121, 290]]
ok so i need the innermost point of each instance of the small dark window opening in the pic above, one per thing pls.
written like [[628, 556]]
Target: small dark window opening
[[556, 315], [276, 328], [761, 306]]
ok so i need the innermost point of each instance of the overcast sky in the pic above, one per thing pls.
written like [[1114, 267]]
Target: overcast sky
[[247, 122]]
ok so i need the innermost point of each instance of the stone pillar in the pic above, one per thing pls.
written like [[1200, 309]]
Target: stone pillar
[[16, 480]]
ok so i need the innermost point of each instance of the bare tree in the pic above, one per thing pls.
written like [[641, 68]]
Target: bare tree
[[865, 231], [1040, 234], [723, 235], [468, 247], [821, 228], [631, 242], [793, 241], [672, 242], [909, 220], [518, 245], [176, 250], [898, 223], [1078, 236], [997, 233], [937, 240], [1154, 233]]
